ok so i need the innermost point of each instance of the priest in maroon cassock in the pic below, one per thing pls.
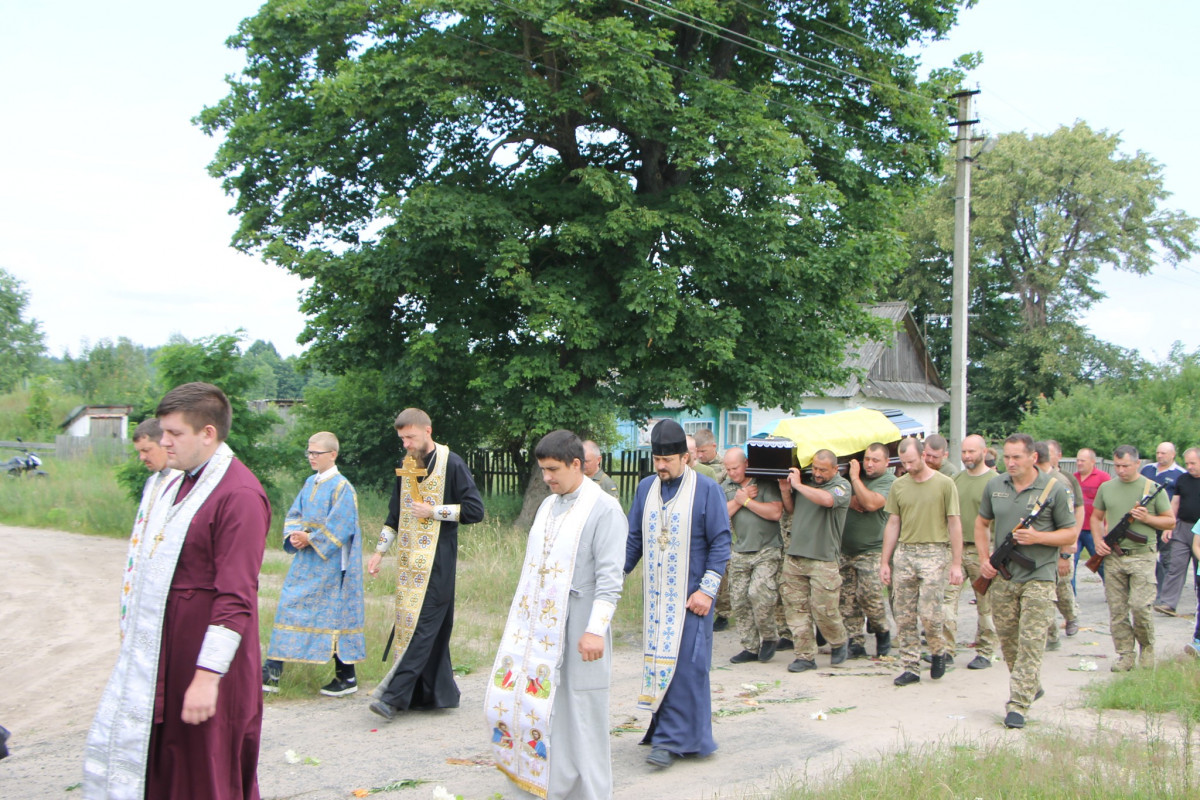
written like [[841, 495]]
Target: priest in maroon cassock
[[181, 715]]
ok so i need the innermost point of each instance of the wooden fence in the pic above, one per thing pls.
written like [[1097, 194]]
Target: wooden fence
[[109, 448], [496, 472]]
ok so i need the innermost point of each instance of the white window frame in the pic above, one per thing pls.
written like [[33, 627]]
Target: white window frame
[[732, 440]]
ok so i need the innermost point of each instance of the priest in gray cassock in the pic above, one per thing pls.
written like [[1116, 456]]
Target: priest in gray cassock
[[547, 699]]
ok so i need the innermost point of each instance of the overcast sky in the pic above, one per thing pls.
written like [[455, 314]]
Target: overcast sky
[[108, 216]]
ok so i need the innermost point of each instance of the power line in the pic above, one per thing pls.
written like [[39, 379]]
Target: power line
[[801, 111], [767, 49]]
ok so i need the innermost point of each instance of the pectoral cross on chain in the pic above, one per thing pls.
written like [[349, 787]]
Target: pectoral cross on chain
[[664, 539], [413, 472]]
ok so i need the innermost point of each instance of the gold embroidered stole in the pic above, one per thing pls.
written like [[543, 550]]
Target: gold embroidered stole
[[525, 675], [416, 546], [666, 551]]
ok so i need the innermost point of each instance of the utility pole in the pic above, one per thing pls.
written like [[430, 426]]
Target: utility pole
[[960, 293]]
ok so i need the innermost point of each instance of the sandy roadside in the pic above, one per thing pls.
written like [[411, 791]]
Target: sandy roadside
[[58, 615]]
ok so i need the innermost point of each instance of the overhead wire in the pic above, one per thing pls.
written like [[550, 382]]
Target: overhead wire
[[765, 48], [802, 111]]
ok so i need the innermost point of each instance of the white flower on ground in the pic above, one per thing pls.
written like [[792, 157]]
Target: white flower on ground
[[441, 793], [291, 757]]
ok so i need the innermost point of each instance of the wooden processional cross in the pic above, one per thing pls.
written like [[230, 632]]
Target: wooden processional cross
[[411, 470]]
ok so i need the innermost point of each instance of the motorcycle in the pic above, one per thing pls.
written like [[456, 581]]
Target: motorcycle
[[26, 463]]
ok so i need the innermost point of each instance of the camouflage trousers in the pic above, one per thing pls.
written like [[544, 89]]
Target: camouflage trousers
[[785, 529], [754, 592], [1129, 589], [724, 606], [862, 596], [810, 591], [1064, 601], [919, 576], [985, 629], [1021, 612]]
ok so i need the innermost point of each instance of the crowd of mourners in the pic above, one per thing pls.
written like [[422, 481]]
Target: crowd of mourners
[[793, 562]]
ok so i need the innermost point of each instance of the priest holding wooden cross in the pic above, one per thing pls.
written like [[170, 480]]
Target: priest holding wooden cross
[[434, 492]]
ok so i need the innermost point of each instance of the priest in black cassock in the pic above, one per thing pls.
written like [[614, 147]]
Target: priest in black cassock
[[433, 493]]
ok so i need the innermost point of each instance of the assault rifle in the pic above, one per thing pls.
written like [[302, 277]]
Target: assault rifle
[[1007, 551], [1121, 530]]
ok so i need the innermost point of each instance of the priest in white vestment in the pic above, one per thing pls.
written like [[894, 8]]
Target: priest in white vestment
[[547, 704]]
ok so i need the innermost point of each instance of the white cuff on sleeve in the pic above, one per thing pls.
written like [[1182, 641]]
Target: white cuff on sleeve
[[386, 537], [602, 613], [446, 513], [219, 648], [710, 583]]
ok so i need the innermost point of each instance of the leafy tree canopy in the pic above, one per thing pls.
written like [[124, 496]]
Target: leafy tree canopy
[[1048, 211], [526, 214], [109, 372], [1159, 406], [21, 340], [216, 360]]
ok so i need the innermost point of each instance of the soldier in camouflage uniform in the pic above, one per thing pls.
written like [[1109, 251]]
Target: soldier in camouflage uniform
[[862, 595], [811, 581], [971, 483], [785, 534], [754, 510], [1064, 594], [1022, 607], [1129, 578], [924, 532]]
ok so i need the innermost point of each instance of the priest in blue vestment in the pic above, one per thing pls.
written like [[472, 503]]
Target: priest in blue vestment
[[320, 612], [679, 526]]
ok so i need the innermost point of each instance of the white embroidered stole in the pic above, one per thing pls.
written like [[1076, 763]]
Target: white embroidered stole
[[416, 546], [666, 550], [115, 758], [525, 675], [156, 484]]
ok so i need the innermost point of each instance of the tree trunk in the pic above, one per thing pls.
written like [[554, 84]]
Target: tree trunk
[[535, 492]]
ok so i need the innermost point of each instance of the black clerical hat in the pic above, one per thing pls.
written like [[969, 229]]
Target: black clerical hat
[[668, 439]]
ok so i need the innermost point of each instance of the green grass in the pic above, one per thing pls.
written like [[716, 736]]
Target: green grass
[[1172, 687], [80, 495], [1101, 764]]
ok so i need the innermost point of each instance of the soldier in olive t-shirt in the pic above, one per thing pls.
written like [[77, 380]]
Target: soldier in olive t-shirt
[[862, 596], [1129, 584], [1022, 607], [970, 493], [811, 580]]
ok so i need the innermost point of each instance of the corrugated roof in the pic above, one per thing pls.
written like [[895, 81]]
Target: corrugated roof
[[863, 356]]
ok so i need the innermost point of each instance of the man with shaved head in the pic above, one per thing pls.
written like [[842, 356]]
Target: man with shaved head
[[924, 532], [812, 580], [971, 483], [754, 510], [1165, 471], [1090, 480], [862, 542]]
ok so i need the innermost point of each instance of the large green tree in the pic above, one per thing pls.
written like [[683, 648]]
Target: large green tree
[[21, 339], [1159, 406], [528, 214], [1048, 212]]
